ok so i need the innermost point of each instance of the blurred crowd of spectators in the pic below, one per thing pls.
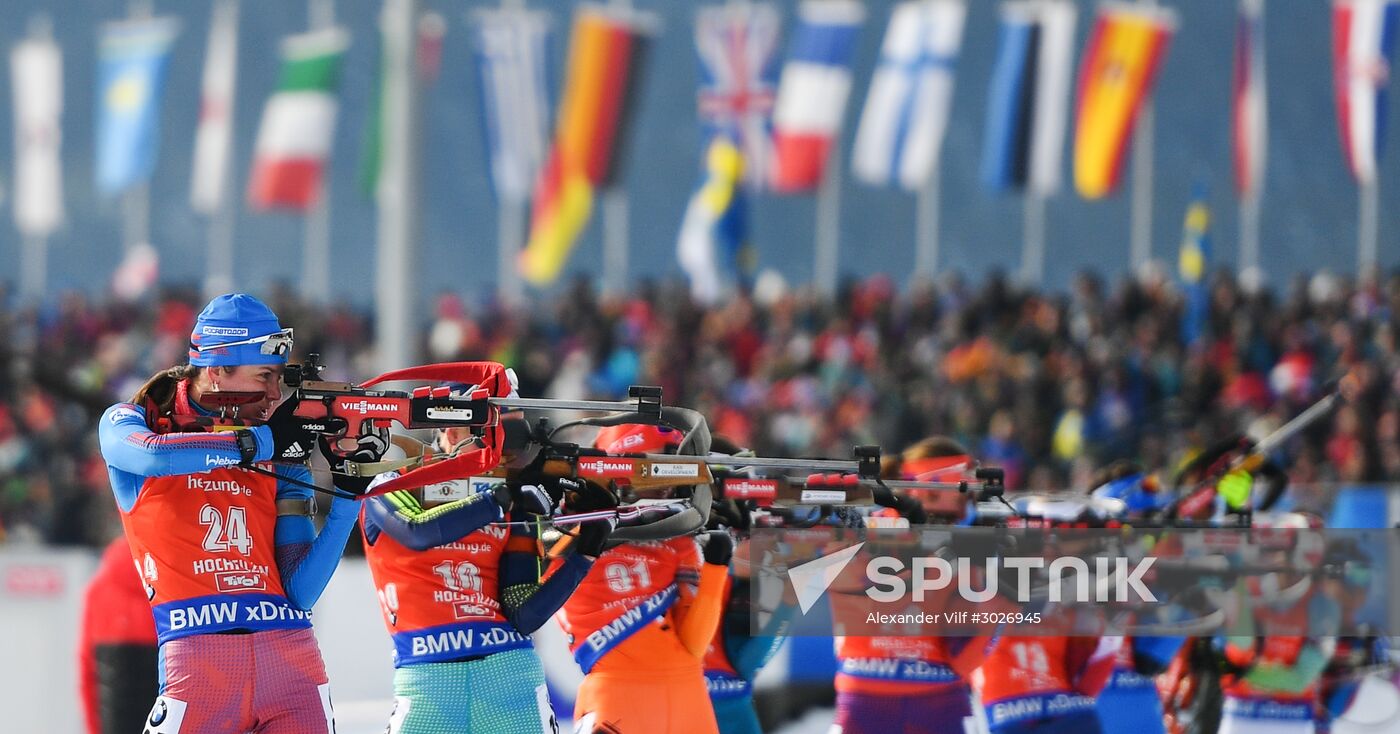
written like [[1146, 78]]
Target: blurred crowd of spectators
[[1050, 386]]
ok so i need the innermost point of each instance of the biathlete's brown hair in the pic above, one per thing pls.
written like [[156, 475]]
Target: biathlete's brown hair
[[160, 389], [933, 447]]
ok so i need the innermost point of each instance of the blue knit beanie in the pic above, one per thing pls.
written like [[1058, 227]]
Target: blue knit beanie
[[230, 318]]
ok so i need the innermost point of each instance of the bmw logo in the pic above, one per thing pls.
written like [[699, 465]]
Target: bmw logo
[[159, 713]]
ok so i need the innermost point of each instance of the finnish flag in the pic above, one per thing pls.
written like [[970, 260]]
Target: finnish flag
[[906, 112]]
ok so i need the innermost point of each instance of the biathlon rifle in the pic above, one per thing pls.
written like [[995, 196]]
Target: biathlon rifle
[[352, 412], [1250, 458]]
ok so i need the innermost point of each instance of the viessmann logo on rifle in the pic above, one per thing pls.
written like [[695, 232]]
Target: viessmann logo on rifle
[[364, 407], [751, 489], [605, 467]]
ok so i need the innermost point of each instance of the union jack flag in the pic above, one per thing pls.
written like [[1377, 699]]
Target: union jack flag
[[737, 46]]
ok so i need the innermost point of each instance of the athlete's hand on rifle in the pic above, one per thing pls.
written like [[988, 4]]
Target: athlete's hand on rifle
[[369, 449], [294, 437], [719, 547], [533, 499], [581, 495], [591, 538]]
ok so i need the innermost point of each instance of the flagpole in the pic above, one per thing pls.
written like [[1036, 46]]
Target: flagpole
[[136, 200], [510, 231], [828, 235], [316, 253], [397, 194], [1141, 228], [615, 215], [1367, 230], [926, 225], [1142, 187], [1033, 239], [34, 268], [219, 278], [34, 258], [1249, 232]]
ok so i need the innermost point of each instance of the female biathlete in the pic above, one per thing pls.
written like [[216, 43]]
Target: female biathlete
[[907, 683], [461, 592], [735, 655], [229, 557], [1048, 683], [1272, 687], [1130, 703], [640, 622]]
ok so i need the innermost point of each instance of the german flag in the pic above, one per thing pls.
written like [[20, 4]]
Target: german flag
[[606, 53], [1119, 67]]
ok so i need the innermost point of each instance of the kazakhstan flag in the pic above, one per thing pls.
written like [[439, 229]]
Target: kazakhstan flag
[[132, 57]]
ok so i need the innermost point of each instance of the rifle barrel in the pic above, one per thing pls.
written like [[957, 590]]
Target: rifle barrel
[[758, 461], [910, 484], [1303, 420], [605, 406]]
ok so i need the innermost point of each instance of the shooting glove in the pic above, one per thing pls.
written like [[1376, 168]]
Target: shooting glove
[[592, 536], [293, 437], [531, 498], [719, 547], [370, 449], [579, 495]]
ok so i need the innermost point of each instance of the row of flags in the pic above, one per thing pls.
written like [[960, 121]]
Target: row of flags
[[292, 145], [768, 125]]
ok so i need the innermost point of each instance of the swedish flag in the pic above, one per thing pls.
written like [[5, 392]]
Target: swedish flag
[[1192, 264]]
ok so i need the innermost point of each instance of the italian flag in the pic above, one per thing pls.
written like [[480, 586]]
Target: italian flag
[[298, 123]]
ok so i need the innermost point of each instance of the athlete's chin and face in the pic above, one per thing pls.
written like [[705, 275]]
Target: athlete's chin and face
[[263, 378], [449, 438]]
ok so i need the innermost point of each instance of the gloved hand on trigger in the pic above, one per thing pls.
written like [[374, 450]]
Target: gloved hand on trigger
[[293, 437], [592, 536], [719, 547], [370, 449], [528, 498]]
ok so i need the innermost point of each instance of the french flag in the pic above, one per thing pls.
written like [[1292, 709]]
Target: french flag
[[812, 91], [1363, 39], [1249, 123]]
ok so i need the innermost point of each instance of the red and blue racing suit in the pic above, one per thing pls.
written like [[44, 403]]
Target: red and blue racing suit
[[231, 581]]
